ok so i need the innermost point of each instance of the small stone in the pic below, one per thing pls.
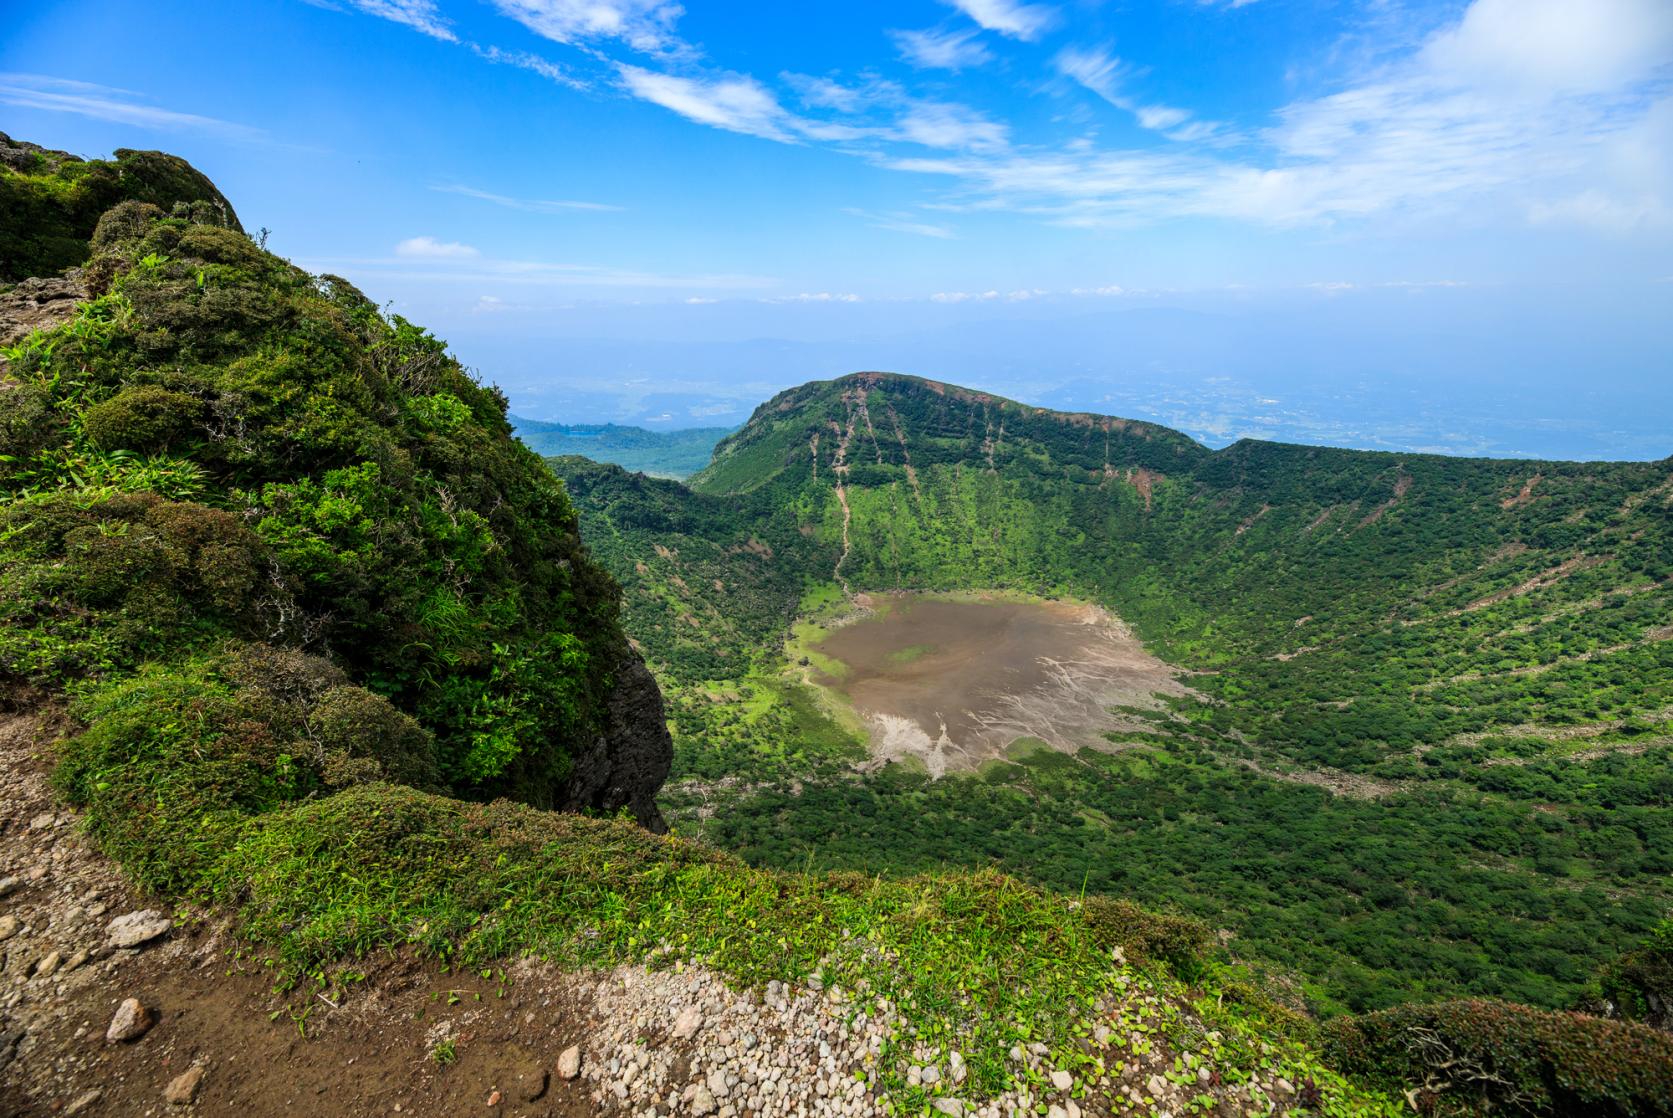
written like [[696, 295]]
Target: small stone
[[9, 885], [687, 1023], [131, 1022], [84, 1100], [1071, 1109], [183, 1088], [1056, 1112], [137, 928], [1062, 1080], [494, 1097], [42, 821], [569, 1062], [703, 1101], [533, 1087], [1157, 1086], [953, 1108], [8, 927], [49, 964]]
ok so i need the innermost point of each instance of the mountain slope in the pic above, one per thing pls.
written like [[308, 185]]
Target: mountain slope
[[676, 454], [1433, 747]]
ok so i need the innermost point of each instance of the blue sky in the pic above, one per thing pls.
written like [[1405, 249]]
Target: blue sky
[[1430, 225]]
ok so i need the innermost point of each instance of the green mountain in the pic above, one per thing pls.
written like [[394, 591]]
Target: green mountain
[[672, 454], [1430, 752], [314, 648]]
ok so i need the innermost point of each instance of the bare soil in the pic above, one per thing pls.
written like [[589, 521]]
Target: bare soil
[[954, 682]]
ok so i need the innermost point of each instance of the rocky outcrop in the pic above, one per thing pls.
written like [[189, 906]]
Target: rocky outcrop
[[627, 764]]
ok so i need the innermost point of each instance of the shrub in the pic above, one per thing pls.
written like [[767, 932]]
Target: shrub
[[145, 417], [1142, 934], [1479, 1056], [1639, 985]]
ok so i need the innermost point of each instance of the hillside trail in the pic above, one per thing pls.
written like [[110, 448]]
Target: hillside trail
[[218, 1034]]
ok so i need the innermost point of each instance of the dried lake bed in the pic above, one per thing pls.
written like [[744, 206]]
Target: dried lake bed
[[953, 682]]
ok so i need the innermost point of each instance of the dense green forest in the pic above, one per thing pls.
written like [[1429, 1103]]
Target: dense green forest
[[675, 454], [1431, 751]]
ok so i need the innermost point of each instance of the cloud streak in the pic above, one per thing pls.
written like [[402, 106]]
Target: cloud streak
[[528, 205], [117, 106]]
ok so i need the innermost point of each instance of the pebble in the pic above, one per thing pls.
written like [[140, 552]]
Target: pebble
[[9, 885], [137, 928], [569, 1062], [132, 1020], [84, 1100], [1062, 1080], [703, 1101], [48, 965], [183, 1088], [8, 927], [687, 1024]]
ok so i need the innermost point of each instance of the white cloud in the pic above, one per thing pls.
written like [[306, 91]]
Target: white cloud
[[816, 297], [736, 103], [961, 296], [420, 15], [1555, 45], [903, 223], [941, 50], [700, 301], [1102, 73], [118, 106], [428, 248], [1019, 21], [1561, 115], [642, 24], [529, 205], [523, 60], [942, 125]]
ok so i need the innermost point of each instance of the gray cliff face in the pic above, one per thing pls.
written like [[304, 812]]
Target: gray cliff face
[[627, 764]]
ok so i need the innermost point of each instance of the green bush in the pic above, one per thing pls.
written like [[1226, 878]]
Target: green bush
[[1639, 985], [1483, 1057], [1142, 934], [145, 417]]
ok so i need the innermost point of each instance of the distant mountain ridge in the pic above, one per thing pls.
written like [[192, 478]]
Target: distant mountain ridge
[[672, 454], [1461, 650]]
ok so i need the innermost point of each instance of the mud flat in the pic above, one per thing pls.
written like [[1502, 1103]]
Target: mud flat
[[953, 682]]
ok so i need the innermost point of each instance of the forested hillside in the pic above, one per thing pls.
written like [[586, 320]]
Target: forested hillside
[[1431, 753], [676, 454]]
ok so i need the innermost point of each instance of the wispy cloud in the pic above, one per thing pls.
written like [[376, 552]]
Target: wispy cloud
[[902, 223], [735, 103], [533, 63], [643, 24], [428, 248], [815, 297], [943, 125], [1102, 72], [962, 296], [1558, 111], [466, 269], [1019, 21], [420, 15], [528, 205], [941, 50], [119, 106]]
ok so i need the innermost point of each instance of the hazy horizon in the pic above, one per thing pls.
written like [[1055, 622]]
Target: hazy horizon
[[1398, 224]]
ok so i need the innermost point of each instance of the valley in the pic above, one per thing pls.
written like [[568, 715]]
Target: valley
[[1427, 737]]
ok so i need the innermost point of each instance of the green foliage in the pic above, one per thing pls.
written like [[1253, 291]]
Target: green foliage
[[667, 454], [330, 476], [1484, 674], [1181, 942], [1639, 985], [1474, 1057], [51, 204]]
